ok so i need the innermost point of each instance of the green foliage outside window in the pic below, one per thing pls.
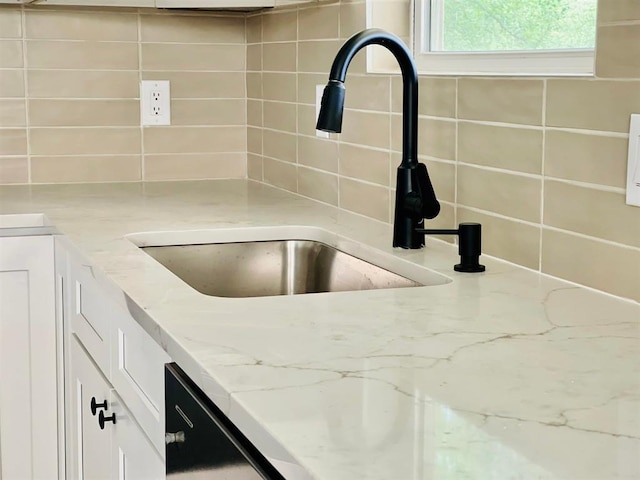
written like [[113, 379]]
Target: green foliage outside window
[[489, 25]]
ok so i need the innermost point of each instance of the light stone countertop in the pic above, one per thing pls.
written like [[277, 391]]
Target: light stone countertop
[[506, 374]]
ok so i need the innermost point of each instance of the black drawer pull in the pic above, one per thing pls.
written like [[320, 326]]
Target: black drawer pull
[[95, 406], [102, 419]]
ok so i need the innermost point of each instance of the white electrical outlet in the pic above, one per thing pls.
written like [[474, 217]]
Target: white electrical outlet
[[155, 102], [319, 91], [633, 165]]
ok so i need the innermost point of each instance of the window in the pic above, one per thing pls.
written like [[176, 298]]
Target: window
[[505, 37]]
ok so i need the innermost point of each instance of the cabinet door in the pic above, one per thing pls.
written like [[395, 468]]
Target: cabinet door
[[91, 445], [28, 367], [133, 456]]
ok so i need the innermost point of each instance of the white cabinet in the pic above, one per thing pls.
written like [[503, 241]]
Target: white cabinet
[[89, 445], [110, 361], [106, 441], [28, 359]]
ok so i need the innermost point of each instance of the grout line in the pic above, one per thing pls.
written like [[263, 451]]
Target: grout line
[[592, 186], [455, 171], [25, 81], [542, 169], [535, 176], [262, 96], [143, 173], [589, 237]]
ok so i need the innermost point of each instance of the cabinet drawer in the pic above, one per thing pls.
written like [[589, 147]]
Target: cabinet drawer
[[90, 315], [133, 456], [137, 373]]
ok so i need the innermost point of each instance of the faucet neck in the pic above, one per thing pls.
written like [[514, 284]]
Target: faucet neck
[[402, 54]]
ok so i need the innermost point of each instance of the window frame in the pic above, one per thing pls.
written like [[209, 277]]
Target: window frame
[[567, 62]]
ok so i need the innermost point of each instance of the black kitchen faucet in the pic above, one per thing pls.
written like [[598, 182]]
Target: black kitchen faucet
[[415, 197]]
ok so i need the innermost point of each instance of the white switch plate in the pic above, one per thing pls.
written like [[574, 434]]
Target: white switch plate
[[633, 166], [155, 102], [319, 91]]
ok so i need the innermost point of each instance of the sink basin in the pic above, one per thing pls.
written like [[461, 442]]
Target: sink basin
[[271, 266]]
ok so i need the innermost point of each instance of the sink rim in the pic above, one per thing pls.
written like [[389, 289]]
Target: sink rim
[[385, 260]]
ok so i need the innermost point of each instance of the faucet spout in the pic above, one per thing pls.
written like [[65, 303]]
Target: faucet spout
[[415, 198]]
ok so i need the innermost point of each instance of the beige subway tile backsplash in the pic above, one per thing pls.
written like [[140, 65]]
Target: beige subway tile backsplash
[[366, 128], [10, 54], [84, 141], [307, 86], [318, 185], [436, 96], [367, 92], [208, 112], [254, 113], [317, 55], [85, 26], [318, 23], [202, 84], [280, 145], [592, 212], [10, 23], [352, 18], [254, 167], [202, 139], [442, 176], [254, 58], [254, 85], [13, 141], [82, 84], [280, 174], [13, 113], [364, 198], [594, 159], [618, 11], [279, 57], [365, 164], [192, 29], [180, 57], [194, 166], [280, 116], [79, 113], [254, 140], [14, 170], [518, 149], [618, 54], [104, 168], [509, 195], [600, 265], [319, 153], [592, 104], [501, 100], [280, 26], [243, 91], [82, 55], [307, 120], [279, 86], [11, 83], [514, 241]]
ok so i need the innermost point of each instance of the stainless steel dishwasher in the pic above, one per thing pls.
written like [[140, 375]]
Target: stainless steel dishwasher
[[201, 442]]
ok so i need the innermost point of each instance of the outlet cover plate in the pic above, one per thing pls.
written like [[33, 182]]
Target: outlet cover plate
[[633, 165], [155, 102]]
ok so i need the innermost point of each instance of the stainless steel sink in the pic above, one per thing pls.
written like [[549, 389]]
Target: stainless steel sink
[[267, 268]]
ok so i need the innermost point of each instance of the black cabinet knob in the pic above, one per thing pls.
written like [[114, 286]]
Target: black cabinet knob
[[102, 419], [95, 406]]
